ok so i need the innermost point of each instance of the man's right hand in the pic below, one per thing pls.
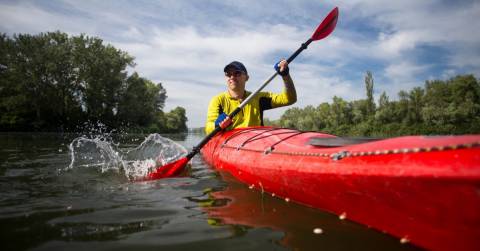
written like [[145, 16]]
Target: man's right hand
[[223, 121]]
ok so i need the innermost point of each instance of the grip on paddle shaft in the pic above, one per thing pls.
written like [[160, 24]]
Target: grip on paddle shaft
[[303, 47]]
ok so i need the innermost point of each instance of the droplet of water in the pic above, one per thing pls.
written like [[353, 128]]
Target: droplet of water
[[404, 240]]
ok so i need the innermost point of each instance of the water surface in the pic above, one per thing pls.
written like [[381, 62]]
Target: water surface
[[48, 204]]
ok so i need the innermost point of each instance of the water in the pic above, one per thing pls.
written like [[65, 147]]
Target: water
[[49, 202]]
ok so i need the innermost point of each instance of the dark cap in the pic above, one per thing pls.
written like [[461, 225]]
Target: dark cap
[[236, 66]]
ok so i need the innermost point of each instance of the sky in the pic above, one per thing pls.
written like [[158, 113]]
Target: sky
[[185, 44]]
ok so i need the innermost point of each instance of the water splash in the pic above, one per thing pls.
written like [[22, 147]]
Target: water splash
[[97, 152], [103, 155], [154, 151]]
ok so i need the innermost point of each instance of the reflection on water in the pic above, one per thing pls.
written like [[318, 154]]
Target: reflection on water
[[303, 228], [84, 207]]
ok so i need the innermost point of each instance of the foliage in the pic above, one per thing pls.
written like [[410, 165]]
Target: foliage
[[176, 120], [441, 107], [55, 82]]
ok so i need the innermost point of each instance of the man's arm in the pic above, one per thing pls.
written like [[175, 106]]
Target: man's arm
[[212, 114], [289, 94], [290, 89]]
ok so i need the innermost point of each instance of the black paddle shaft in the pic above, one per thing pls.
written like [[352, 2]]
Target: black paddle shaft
[[303, 47], [199, 146]]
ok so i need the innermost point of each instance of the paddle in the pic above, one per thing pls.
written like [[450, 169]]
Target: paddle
[[174, 168]]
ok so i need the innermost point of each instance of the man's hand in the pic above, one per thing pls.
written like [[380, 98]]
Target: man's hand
[[282, 67], [226, 123], [223, 121]]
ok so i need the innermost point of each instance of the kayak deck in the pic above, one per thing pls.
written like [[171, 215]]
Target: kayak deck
[[421, 189]]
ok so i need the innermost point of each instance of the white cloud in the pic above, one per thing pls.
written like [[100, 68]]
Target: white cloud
[[403, 76], [406, 24], [185, 45], [189, 63], [393, 45]]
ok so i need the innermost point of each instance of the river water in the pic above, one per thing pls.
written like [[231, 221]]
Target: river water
[[49, 202]]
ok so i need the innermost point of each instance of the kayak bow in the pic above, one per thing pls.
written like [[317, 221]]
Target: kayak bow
[[421, 189]]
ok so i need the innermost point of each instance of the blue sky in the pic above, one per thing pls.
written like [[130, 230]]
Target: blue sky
[[185, 44]]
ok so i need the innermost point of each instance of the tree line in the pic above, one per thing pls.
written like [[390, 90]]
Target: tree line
[[440, 107], [56, 82]]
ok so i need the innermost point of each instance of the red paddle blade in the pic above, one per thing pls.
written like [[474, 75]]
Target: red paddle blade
[[169, 170], [327, 25]]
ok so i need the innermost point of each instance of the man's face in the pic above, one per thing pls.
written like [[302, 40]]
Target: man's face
[[236, 79]]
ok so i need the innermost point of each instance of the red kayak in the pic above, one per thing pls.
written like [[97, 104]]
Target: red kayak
[[422, 189]]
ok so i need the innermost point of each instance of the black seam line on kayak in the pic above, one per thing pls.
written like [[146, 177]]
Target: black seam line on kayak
[[272, 147], [264, 130], [254, 136], [266, 136], [367, 153], [242, 132]]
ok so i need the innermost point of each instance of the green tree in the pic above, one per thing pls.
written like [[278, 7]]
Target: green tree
[[452, 106], [442, 107], [385, 112], [401, 111], [415, 105], [56, 82], [340, 116], [41, 75], [103, 71], [141, 101], [176, 120], [306, 121], [289, 118], [11, 98], [370, 104], [360, 110], [322, 115]]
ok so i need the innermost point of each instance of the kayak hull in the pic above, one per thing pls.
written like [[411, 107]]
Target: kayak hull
[[424, 190]]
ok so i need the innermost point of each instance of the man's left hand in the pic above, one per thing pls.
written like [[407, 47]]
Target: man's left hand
[[282, 67]]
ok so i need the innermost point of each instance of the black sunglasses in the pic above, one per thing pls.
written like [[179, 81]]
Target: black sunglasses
[[233, 74]]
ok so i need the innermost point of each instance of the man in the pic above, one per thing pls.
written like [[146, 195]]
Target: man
[[236, 76]]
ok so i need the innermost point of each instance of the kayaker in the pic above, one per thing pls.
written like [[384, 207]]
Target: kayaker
[[236, 76]]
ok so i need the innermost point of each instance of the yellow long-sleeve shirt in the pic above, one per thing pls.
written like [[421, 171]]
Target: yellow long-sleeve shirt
[[252, 113]]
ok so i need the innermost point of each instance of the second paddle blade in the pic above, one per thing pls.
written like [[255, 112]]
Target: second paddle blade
[[169, 170]]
